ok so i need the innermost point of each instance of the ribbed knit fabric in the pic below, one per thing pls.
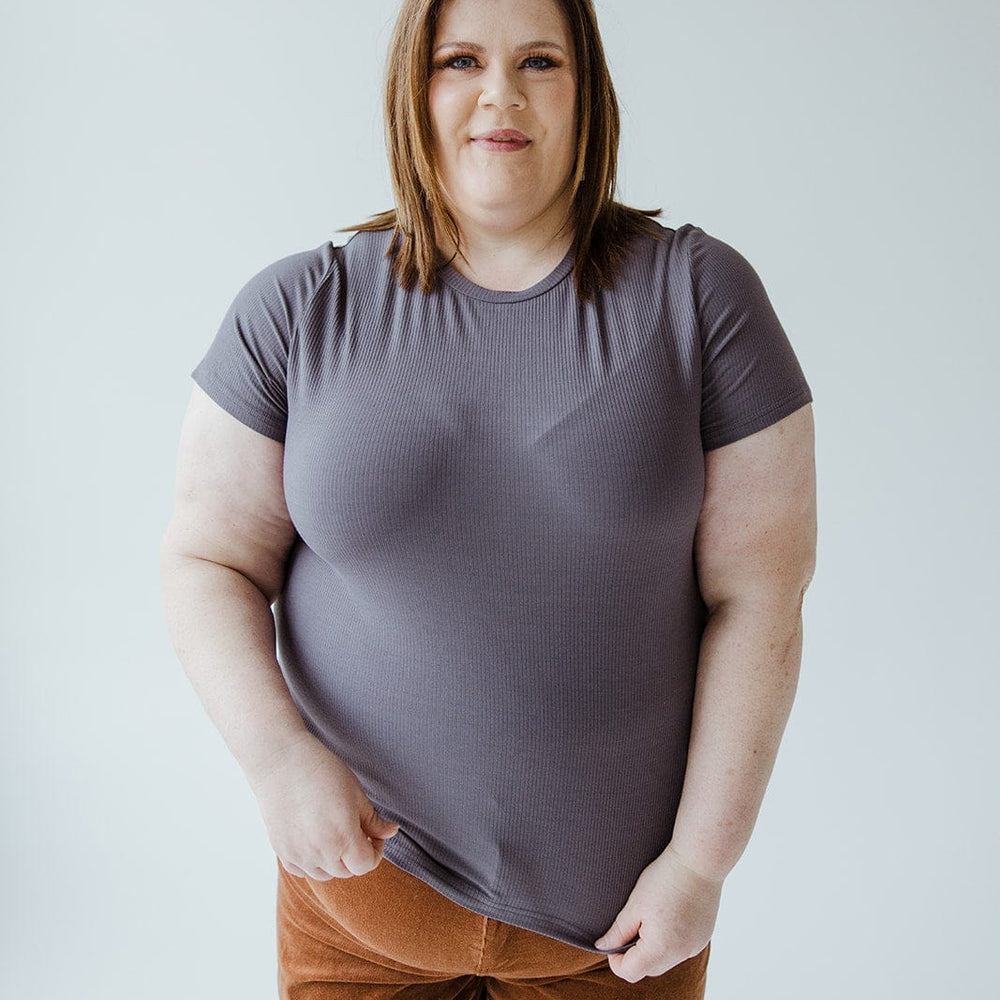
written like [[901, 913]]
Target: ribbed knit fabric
[[492, 614]]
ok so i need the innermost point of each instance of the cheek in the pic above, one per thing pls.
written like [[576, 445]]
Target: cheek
[[562, 108], [445, 105], [437, 108], [568, 117]]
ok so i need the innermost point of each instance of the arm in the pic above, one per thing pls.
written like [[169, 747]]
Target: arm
[[754, 551], [223, 563]]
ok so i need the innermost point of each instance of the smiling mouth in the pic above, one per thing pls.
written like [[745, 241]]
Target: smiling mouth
[[501, 143], [502, 133]]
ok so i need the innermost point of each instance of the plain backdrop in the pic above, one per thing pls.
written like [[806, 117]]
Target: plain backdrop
[[156, 155]]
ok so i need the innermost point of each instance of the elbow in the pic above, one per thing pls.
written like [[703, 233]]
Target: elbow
[[793, 573], [806, 569], [806, 580], [792, 589], [170, 551], [778, 594], [183, 560]]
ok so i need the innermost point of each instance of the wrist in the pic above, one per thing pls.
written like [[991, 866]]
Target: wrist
[[699, 867], [279, 747]]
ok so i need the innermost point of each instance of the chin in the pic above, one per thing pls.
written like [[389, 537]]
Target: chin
[[510, 198], [506, 214]]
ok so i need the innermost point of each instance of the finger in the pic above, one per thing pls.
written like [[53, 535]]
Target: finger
[[620, 933], [292, 869], [378, 846], [338, 869], [329, 870], [627, 967], [615, 965], [361, 857], [320, 875], [640, 961], [325, 869], [378, 828]]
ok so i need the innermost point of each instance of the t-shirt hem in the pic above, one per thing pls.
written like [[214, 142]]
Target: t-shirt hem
[[236, 407], [527, 919], [757, 421]]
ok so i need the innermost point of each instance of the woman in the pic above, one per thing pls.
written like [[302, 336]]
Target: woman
[[528, 479]]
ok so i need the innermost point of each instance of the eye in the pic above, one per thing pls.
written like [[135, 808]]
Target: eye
[[539, 62], [459, 62]]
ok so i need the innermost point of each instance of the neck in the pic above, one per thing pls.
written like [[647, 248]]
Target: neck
[[506, 260]]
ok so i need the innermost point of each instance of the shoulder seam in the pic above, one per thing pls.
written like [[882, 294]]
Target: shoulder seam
[[307, 305]]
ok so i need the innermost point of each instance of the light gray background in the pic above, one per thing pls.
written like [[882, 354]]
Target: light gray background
[[156, 155]]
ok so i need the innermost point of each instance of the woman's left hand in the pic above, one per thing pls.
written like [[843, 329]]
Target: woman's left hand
[[672, 909]]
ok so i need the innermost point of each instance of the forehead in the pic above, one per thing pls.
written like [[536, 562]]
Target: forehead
[[501, 20]]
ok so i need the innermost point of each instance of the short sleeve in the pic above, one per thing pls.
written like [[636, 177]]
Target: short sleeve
[[751, 377], [246, 367]]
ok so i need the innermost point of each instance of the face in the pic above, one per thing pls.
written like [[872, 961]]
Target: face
[[502, 101]]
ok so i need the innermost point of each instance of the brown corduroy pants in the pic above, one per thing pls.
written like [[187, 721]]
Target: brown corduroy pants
[[388, 935]]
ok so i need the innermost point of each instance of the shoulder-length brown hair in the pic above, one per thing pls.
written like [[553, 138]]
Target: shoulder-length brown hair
[[602, 226]]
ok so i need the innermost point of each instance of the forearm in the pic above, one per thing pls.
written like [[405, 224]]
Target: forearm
[[747, 674], [223, 631]]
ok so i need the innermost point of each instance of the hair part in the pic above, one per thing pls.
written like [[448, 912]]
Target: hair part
[[602, 226]]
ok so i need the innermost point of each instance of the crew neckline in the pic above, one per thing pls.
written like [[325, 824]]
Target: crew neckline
[[462, 284]]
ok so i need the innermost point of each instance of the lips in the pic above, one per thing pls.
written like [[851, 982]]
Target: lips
[[502, 140], [503, 135]]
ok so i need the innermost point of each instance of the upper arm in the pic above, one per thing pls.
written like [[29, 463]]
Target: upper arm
[[756, 535], [230, 501]]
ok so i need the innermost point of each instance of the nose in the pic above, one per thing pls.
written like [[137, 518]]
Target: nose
[[501, 89]]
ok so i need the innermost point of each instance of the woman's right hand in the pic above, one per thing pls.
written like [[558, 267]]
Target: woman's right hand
[[225, 556], [318, 818]]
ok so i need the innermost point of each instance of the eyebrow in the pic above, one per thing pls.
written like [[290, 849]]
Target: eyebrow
[[473, 47]]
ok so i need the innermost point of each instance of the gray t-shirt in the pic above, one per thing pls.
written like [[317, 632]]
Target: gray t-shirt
[[491, 613]]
